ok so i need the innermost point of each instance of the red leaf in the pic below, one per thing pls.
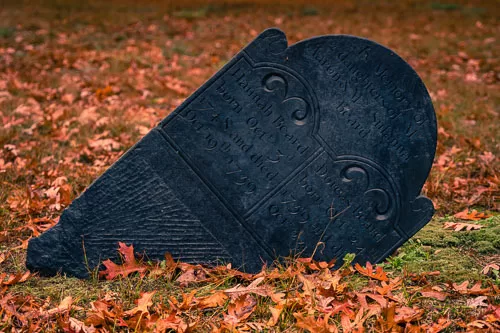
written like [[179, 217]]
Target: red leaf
[[130, 264]]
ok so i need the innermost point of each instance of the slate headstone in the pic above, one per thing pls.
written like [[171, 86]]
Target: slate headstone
[[319, 148]]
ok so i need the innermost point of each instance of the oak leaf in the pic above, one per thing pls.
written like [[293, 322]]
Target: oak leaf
[[191, 273], [313, 324], [474, 290], [435, 293], [64, 306], [13, 279], [239, 310], [406, 314], [130, 264], [145, 301], [378, 274], [438, 326], [253, 287], [479, 301], [214, 300], [78, 326], [275, 314], [473, 215], [457, 226], [490, 268], [171, 322], [188, 301]]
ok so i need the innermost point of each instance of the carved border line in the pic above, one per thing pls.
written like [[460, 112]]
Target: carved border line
[[216, 193]]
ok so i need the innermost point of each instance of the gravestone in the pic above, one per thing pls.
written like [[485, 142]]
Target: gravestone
[[319, 149]]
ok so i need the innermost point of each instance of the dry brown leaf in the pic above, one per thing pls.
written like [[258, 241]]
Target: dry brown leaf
[[239, 310], [143, 303], [378, 274], [79, 327], [64, 306], [433, 293], [480, 301], [313, 324], [473, 215], [474, 290], [406, 314], [130, 264], [489, 268], [253, 288], [14, 278], [191, 274], [214, 300], [457, 226], [275, 314]]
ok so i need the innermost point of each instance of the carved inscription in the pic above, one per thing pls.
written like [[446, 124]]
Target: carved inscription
[[321, 203], [368, 90], [253, 122]]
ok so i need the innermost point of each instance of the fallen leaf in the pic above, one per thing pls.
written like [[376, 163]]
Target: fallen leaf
[[191, 274], [275, 314], [214, 300], [456, 226], [436, 294], [474, 290], [378, 274], [473, 215], [239, 310], [313, 324], [406, 314], [130, 264], [145, 301], [64, 306], [477, 302], [13, 279], [79, 327], [490, 268], [253, 287]]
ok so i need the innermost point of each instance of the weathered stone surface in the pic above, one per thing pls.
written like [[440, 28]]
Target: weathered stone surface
[[318, 148]]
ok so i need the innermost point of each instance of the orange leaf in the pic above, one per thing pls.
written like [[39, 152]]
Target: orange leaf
[[406, 314], [64, 306], [240, 310], [313, 324], [379, 273], [473, 215], [212, 301], [145, 301], [430, 293], [275, 314], [474, 290], [130, 264], [13, 279]]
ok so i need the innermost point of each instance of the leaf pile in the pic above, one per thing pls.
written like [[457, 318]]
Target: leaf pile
[[306, 294]]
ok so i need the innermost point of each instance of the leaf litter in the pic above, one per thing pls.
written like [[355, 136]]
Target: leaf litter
[[78, 89]]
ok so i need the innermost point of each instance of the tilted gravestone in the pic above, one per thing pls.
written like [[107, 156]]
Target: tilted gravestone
[[320, 148]]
